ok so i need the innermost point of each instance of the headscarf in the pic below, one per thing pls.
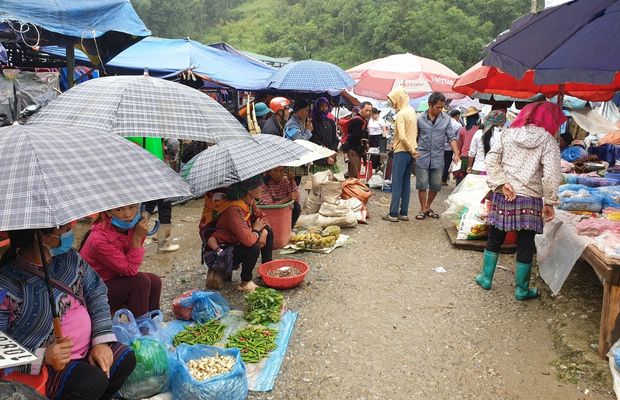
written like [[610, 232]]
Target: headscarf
[[316, 112], [238, 190], [494, 118], [542, 114]]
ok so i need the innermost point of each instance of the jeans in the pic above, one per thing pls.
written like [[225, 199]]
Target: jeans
[[248, 256], [447, 162], [525, 243], [401, 183]]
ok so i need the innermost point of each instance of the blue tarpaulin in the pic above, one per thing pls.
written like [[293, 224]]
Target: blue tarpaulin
[[168, 56], [114, 24]]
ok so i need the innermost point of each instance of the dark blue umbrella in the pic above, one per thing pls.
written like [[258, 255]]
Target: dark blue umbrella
[[577, 41], [311, 77]]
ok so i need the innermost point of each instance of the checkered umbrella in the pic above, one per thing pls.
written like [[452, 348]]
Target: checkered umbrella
[[311, 76], [142, 106], [235, 161], [50, 175]]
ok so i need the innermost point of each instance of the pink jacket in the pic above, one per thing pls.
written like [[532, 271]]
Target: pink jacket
[[109, 252]]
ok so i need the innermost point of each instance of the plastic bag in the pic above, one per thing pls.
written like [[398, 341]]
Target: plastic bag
[[579, 200], [573, 153], [150, 375], [375, 182], [468, 194], [205, 306], [125, 327], [150, 323], [614, 366], [180, 312], [472, 226], [230, 386]]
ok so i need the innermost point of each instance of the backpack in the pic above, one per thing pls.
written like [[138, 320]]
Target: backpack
[[343, 124]]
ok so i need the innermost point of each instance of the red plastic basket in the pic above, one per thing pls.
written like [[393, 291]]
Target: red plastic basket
[[283, 283]]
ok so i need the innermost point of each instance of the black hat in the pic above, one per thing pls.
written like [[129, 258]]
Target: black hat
[[455, 112], [300, 104]]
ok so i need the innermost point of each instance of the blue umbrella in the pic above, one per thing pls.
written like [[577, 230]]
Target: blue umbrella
[[311, 77], [573, 42]]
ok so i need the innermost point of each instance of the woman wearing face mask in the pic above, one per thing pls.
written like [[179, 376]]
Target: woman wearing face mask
[[91, 364], [114, 249]]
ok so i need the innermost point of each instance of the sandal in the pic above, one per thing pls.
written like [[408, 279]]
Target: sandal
[[432, 214], [420, 216]]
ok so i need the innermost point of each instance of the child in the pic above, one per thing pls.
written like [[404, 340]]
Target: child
[[279, 189], [114, 249]]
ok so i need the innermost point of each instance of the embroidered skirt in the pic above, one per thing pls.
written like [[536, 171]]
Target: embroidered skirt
[[524, 213]]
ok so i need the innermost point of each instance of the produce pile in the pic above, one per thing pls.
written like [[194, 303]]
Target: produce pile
[[208, 367], [254, 342], [317, 238], [284, 272], [208, 333], [263, 306]]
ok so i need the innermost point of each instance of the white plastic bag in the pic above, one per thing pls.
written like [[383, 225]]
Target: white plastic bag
[[472, 226], [468, 194], [375, 182]]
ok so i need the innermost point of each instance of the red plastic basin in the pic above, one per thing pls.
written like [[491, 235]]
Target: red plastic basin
[[288, 282]]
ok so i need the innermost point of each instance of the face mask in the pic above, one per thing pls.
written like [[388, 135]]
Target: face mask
[[119, 223], [66, 243]]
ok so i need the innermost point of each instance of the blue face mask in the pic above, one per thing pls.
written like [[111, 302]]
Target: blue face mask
[[66, 243], [119, 223]]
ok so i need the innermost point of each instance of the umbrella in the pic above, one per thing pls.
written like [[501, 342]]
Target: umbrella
[[481, 79], [50, 176], [142, 106], [234, 161], [310, 76], [572, 42], [315, 152], [419, 76]]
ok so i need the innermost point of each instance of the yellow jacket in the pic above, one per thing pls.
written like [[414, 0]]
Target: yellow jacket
[[406, 125]]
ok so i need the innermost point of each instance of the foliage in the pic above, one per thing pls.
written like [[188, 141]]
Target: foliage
[[345, 32]]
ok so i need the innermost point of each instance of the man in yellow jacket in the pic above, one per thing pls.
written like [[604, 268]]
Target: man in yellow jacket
[[405, 151]]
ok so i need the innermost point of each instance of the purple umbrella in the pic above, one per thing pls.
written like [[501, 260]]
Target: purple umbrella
[[573, 42]]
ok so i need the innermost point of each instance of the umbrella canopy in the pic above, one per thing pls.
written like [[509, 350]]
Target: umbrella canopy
[[164, 57], [419, 76], [103, 28], [51, 175], [574, 42], [142, 106], [483, 79], [310, 76], [315, 152], [235, 161]]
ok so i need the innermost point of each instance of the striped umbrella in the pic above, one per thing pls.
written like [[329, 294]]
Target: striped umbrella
[[142, 106], [51, 175], [234, 161], [311, 76]]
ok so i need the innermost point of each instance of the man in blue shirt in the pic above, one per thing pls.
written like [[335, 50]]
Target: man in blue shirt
[[435, 129]]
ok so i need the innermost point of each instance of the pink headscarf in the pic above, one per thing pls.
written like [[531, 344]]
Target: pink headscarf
[[542, 114]]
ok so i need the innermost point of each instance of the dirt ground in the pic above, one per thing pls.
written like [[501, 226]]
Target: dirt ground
[[377, 322]]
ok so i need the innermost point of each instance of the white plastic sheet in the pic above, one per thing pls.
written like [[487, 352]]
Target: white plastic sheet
[[558, 249]]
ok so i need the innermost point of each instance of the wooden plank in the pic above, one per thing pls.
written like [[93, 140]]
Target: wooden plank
[[477, 245], [610, 323], [607, 268]]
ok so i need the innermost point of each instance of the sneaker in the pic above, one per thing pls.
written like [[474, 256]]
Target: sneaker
[[403, 218], [389, 218]]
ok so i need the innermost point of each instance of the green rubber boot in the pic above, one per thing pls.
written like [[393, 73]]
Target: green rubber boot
[[522, 282], [485, 277]]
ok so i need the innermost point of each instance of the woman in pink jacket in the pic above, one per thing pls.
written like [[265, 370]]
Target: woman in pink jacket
[[114, 249]]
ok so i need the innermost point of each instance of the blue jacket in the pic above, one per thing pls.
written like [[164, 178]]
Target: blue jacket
[[26, 316], [294, 129]]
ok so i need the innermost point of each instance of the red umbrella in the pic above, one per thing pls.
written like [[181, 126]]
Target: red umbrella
[[491, 80], [418, 75]]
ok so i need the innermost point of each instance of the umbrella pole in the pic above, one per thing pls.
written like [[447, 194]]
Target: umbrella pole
[[55, 317], [70, 52]]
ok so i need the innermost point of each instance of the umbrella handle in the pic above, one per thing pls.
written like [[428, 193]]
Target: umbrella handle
[[58, 336]]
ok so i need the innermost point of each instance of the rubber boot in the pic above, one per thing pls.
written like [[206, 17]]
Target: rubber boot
[[489, 262], [522, 282], [163, 240]]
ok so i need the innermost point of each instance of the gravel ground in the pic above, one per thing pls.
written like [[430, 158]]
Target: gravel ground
[[377, 322]]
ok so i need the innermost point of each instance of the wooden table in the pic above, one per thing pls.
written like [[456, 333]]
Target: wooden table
[[608, 271]]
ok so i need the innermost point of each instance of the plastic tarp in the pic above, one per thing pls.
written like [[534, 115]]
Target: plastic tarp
[[261, 376], [168, 56], [114, 23]]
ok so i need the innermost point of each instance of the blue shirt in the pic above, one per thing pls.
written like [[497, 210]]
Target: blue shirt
[[432, 138], [294, 130]]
